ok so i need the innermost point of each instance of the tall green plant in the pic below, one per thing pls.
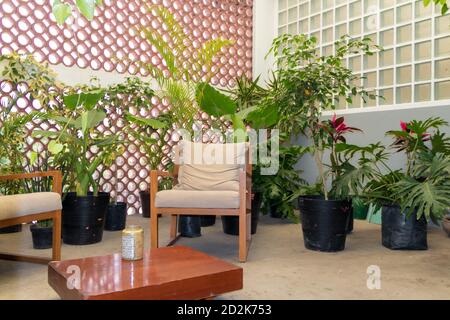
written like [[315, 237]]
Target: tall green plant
[[78, 147], [309, 83]]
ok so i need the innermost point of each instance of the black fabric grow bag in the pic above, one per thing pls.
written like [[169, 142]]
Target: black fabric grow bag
[[42, 237], [116, 216], [145, 203], [207, 221], [324, 223], [401, 233], [83, 218], [189, 226], [230, 224], [11, 229]]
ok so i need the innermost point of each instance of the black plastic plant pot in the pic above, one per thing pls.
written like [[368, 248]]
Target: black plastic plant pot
[[350, 222], [230, 224], [189, 226], [42, 236], [145, 203], [207, 221], [325, 223], [83, 218], [274, 212], [11, 229], [401, 233], [116, 216]]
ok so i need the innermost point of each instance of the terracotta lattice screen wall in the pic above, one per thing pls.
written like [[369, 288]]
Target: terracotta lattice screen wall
[[26, 26]]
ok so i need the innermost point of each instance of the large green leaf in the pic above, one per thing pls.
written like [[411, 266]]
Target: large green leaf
[[214, 102], [45, 133], [154, 123], [87, 8], [61, 11], [87, 100], [263, 117], [90, 119], [55, 147], [245, 112]]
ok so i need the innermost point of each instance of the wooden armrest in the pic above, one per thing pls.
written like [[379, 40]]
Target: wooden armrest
[[164, 173], [55, 174]]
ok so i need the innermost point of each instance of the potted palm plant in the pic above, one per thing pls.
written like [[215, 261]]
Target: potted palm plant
[[79, 149], [179, 82]]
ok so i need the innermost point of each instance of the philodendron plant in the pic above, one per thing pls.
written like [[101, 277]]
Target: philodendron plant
[[77, 147], [423, 186]]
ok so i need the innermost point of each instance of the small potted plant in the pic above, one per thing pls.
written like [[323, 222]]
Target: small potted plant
[[151, 134], [419, 193], [410, 197], [116, 214], [42, 234], [79, 149]]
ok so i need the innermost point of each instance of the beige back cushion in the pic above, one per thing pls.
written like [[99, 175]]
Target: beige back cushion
[[211, 167]]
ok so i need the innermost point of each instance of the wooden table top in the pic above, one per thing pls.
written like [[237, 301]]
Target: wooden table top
[[165, 273]]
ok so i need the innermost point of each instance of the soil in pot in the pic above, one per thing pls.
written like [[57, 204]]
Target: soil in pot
[[83, 218], [401, 233], [42, 236], [325, 223], [207, 221], [11, 229], [189, 226], [116, 216], [231, 224]]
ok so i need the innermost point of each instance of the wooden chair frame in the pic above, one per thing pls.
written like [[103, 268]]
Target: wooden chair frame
[[54, 215], [243, 212]]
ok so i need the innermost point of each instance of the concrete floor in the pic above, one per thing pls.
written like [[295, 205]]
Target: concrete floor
[[278, 267]]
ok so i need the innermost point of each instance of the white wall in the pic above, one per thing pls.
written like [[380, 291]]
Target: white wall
[[374, 122], [264, 31]]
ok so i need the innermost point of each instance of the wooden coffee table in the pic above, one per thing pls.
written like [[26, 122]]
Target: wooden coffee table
[[164, 273]]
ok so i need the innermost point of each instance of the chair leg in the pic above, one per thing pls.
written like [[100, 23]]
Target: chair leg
[[56, 250], [173, 227], [154, 226], [242, 235], [249, 227]]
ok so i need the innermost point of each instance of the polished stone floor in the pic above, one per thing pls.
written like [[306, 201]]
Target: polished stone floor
[[278, 267]]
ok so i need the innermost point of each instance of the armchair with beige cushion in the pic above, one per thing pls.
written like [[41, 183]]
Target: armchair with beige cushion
[[28, 207], [209, 179]]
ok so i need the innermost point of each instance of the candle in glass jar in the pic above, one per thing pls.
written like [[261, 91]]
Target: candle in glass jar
[[133, 243]]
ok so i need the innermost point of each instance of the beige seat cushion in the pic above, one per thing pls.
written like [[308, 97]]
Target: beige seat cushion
[[210, 167], [197, 199], [208, 178], [18, 205]]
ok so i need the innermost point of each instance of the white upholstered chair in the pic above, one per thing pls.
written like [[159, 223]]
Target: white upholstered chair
[[28, 207], [209, 179]]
